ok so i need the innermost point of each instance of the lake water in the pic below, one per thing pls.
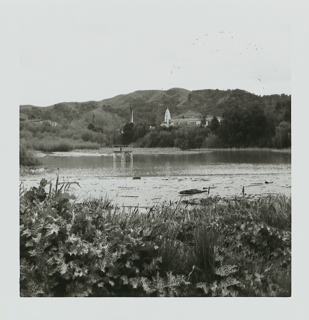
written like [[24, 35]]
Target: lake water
[[164, 175], [193, 164]]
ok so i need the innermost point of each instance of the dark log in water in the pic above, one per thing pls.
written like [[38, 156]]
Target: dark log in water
[[192, 191]]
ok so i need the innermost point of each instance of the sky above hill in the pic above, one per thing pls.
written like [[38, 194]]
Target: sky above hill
[[92, 50]]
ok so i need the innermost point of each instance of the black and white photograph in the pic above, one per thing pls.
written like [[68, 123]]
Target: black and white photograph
[[154, 159]]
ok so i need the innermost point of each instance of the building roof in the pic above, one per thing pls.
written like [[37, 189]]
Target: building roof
[[189, 115]]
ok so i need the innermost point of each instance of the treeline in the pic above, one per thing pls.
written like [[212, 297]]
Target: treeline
[[179, 137], [240, 128], [252, 127]]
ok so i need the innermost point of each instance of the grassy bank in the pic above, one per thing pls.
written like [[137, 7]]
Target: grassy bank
[[60, 144], [27, 147], [227, 247]]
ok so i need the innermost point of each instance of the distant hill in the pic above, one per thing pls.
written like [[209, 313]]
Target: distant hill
[[149, 106]]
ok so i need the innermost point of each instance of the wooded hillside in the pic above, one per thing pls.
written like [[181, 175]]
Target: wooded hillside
[[249, 120]]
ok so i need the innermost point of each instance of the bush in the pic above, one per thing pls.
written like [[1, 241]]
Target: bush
[[87, 135], [26, 156], [226, 247], [48, 145], [212, 141], [62, 145], [25, 134], [85, 145]]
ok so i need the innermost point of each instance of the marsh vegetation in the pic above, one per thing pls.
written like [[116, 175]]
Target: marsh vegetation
[[224, 247]]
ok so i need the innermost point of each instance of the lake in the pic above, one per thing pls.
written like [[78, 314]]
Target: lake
[[164, 174]]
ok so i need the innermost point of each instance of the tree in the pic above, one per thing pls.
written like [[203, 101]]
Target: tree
[[246, 127], [214, 125], [140, 130], [203, 120], [127, 133], [283, 135], [91, 127]]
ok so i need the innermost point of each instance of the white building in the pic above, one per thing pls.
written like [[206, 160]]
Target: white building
[[189, 118], [167, 118]]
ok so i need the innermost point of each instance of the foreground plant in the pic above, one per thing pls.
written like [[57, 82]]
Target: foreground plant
[[226, 247]]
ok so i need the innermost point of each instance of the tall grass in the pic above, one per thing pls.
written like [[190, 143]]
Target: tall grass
[[61, 145]]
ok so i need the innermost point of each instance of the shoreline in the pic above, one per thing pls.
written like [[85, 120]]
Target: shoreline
[[107, 151], [150, 190]]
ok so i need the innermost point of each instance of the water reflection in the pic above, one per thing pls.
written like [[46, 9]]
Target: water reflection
[[211, 162], [216, 157], [123, 162]]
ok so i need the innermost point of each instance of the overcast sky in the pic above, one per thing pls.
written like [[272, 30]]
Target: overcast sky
[[80, 51]]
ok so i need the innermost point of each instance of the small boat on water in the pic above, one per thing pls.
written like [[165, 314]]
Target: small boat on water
[[192, 191]]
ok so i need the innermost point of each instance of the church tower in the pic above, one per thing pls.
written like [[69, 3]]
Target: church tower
[[131, 114], [167, 118]]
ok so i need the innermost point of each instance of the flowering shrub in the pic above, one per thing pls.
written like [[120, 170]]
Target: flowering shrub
[[224, 248]]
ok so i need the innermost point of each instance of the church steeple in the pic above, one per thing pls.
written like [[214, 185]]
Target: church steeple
[[167, 117], [131, 114]]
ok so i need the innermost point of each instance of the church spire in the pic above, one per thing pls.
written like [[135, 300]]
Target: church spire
[[131, 114], [167, 117]]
